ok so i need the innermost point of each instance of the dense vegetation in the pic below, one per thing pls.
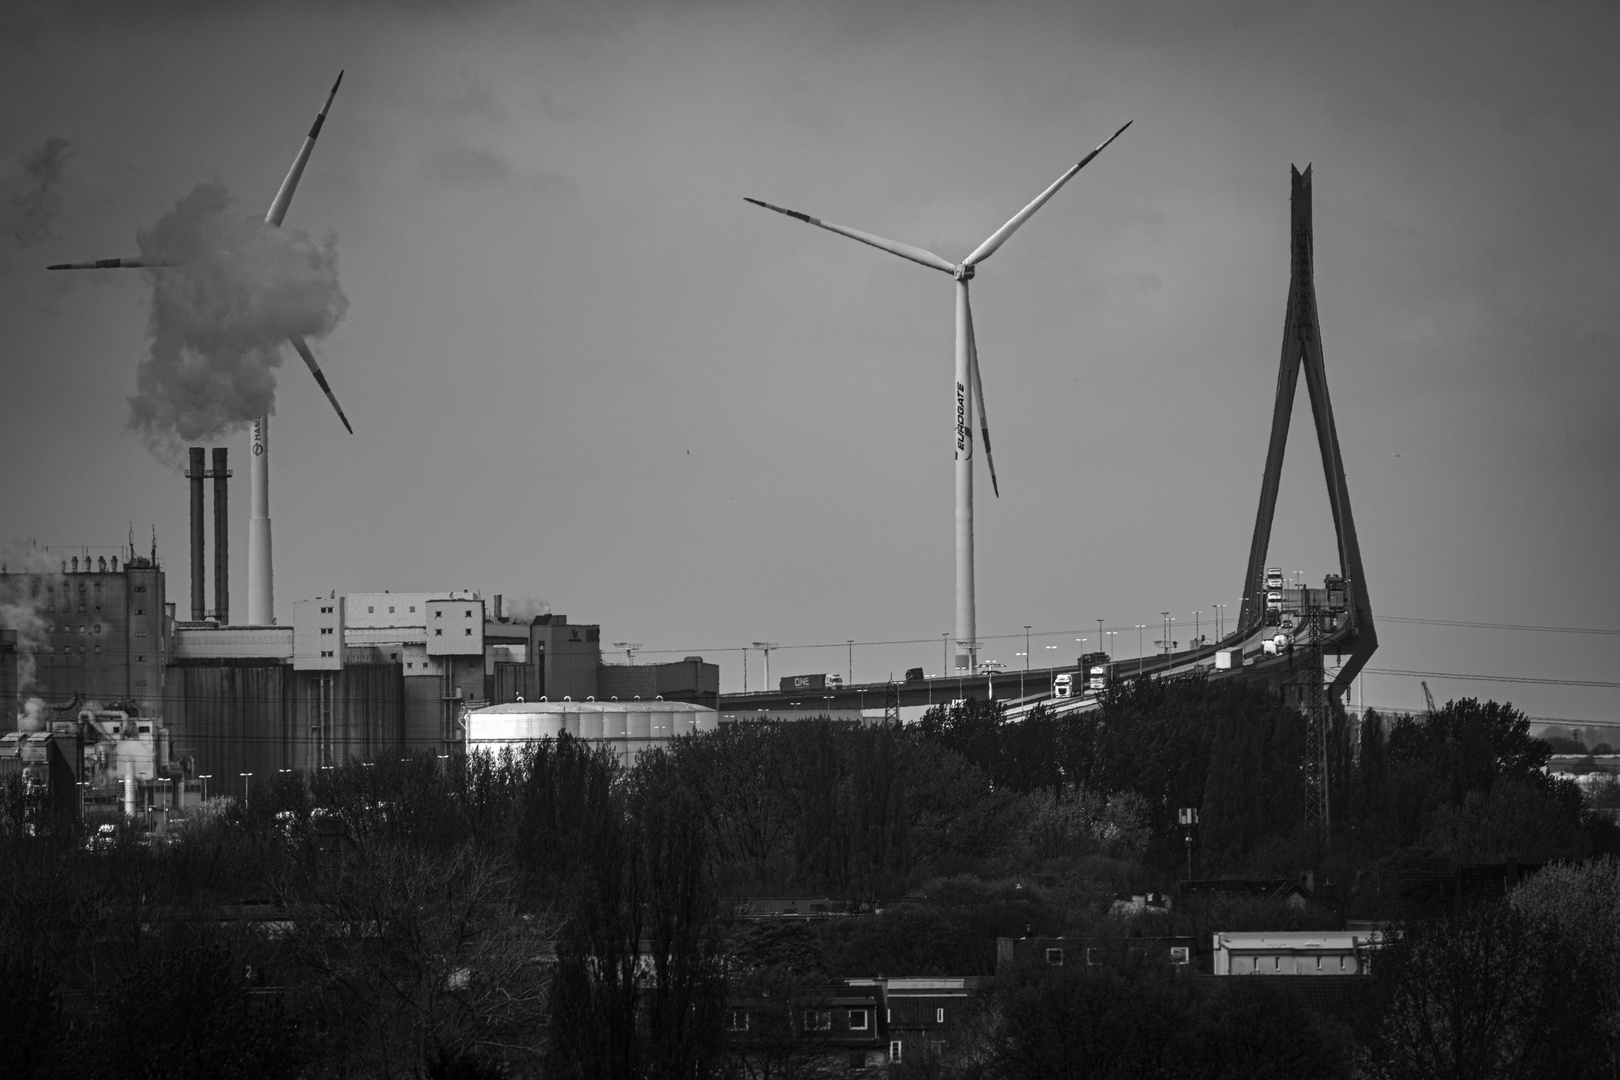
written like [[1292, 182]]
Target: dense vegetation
[[559, 915]]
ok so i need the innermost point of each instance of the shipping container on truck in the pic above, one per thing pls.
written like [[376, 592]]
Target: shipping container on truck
[[794, 683]]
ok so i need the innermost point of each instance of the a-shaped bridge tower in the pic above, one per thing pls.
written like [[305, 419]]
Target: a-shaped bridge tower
[[1302, 348]]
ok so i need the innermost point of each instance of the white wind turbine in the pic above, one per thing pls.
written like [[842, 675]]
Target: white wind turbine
[[969, 395], [261, 590]]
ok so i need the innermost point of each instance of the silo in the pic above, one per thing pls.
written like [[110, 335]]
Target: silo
[[661, 722], [590, 721], [613, 717], [638, 721], [706, 720]]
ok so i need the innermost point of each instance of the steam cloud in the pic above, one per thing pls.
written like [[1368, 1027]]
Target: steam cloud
[[524, 608], [35, 193], [19, 609], [220, 316]]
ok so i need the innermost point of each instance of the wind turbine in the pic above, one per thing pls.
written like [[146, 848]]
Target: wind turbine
[[261, 591], [969, 390]]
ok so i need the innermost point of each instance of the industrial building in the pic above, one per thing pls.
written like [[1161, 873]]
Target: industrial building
[[351, 676]]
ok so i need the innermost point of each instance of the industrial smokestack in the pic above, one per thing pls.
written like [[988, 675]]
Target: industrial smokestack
[[261, 584], [199, 588], [222, 537]]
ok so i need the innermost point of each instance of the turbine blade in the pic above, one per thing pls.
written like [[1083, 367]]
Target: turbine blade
[[978, 396], [893, 247], [283, 199], [315, 370], [999, 237], [110, 264]]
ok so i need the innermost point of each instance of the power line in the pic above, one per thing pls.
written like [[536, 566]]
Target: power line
[[1494, 678], [1500, 626]]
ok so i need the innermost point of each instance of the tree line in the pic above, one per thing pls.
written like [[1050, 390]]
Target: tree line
[[557, 913]]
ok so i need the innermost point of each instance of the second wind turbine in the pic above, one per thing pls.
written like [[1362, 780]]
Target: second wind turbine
[[969, 390]]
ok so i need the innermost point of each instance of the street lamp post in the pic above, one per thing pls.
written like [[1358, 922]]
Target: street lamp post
[[851, 643], [247, 781], [1139, 628], [205, 777]]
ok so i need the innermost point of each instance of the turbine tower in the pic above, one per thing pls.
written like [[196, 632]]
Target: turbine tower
[[261, 585], [969, 388]]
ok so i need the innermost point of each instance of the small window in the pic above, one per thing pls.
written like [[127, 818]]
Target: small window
[[817, 1020], [140, 588], [1180, 954], [390, 609], [438, 614], [894, 1049], [98, 650], [140, 660], [413, 609], [371, 610], [409, 666], [140, 611], [469, 631], [1093, 957], [1054, 957], [438, 633], [857, 1019], [939, 1016], [469, 613], [737, 1020]]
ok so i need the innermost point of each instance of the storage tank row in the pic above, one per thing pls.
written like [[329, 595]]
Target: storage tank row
[[629, 727]]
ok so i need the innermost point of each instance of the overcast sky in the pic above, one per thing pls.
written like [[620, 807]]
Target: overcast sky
[[581, 368]]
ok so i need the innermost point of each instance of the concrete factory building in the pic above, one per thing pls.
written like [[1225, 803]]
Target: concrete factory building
[[351, 677]]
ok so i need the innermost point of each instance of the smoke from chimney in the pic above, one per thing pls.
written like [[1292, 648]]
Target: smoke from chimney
[[35, 190], [19, 608], [220, 316]]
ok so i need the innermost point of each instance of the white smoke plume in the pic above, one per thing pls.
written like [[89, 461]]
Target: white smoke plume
[[221, 315], [35, 191], [19, 605], [32, 717], [524, 609]]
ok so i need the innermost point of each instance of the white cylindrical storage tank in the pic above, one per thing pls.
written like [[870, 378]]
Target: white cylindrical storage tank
[[706, 720], [681, 723], [571, 718], [613, 721], [590, 721], [660, 722], [501, 726], [637, 723]]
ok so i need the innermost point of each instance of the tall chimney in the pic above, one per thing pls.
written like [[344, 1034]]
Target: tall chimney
[[222, 537], [199, 588], [261, 610]]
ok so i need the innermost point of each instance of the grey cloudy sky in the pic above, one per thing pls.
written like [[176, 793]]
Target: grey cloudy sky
[[581, 367]]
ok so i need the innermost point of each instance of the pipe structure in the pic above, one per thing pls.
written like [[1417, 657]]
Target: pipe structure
[[261, 587], [222, 536], [199, 587]]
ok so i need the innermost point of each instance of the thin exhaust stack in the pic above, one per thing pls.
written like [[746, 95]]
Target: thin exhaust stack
[[199, 587], [222, 536]]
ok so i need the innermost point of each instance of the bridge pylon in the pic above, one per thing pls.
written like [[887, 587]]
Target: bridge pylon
[[1302, 348]]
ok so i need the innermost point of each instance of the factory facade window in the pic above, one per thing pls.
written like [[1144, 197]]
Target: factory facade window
[[438, 633]]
